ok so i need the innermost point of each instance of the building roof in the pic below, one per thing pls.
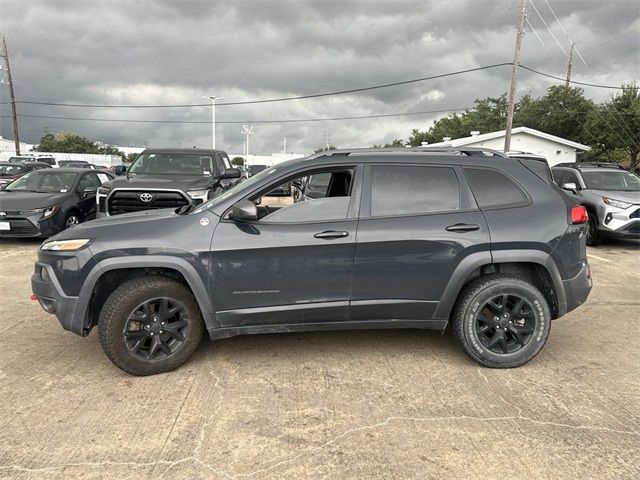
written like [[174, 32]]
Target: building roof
[[473, 139]]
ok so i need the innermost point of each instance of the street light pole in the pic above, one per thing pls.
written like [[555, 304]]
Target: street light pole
[[213, 99]]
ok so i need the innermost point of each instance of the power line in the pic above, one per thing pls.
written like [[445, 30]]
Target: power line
[[242, 122], [547, 26], [572, 81], [281, 99], [573, 46]]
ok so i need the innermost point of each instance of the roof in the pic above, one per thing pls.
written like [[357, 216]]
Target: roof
[[197, 151], [458, 142], [442, 150]]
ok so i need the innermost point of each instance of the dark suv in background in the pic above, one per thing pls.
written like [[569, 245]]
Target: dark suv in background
[[408, 238], [167, 178]]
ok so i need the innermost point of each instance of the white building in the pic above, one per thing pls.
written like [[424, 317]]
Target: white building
[[554, 149], [268, 160], [8, 147]]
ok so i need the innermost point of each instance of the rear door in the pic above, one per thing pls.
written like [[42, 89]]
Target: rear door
[[417, 223]]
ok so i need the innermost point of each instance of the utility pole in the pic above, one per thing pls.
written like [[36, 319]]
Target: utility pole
[[514, 74], [213, 119], [14, 115], [569, 66]]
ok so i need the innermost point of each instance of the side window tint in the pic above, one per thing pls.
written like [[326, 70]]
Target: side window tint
[[570, 177], [492, 189], [407, 189], [558, 176]]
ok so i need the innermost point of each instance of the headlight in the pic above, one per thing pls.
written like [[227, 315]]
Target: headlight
[[103, 191], [65, 245], [616, 203], [198, 194], [48, 211]]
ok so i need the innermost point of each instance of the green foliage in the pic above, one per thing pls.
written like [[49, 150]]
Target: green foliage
[[393, 143], [611, 128], [70, 142], [131, 157], [325, 148], [237, 161]]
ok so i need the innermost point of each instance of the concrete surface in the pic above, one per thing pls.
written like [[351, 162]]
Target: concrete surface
[[342, 405]]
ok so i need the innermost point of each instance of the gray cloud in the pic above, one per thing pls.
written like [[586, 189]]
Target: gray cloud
[[165, 52]]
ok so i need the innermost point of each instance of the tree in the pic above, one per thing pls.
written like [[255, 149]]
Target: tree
[[324, 148], [616, 124], [393, 143], [131, 157], [70, 142], [237, 161]]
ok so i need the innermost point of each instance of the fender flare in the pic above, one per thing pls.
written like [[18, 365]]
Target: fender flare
[[187, 270], [480, 259]]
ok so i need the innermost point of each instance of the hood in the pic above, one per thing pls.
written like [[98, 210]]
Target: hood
[[182, 182], [16, 201], [631, 197]]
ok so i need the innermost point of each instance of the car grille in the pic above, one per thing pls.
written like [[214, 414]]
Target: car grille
[[127, 201], [635, 214], [20, 226]]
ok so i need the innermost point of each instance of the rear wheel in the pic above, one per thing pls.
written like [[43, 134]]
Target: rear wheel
[[150, 325], [501, 321]]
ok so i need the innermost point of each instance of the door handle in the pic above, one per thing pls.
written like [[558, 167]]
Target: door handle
[[462, 227], [331, 234]]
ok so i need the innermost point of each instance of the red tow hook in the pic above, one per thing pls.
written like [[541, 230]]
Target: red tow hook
[[34, 296]]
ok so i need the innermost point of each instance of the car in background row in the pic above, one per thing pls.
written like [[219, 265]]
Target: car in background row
[[76, 164], [48, 159], [44, 202], [610, 194], [168, 178], [11, 171]]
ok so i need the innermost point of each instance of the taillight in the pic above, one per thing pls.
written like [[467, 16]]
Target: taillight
[[579, 215]]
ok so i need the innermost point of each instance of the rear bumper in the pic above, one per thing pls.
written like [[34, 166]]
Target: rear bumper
[[577, 289], [53, 300]]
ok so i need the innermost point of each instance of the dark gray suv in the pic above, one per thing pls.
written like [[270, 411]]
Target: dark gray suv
[[408, 238]]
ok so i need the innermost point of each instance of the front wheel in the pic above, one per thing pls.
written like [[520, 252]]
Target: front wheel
[[150, 325], [501, 321], [71, 220]]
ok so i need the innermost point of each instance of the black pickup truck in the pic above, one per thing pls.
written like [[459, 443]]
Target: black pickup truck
[[167, 178]]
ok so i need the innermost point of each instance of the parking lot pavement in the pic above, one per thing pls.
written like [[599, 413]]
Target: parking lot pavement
[[374, 404]]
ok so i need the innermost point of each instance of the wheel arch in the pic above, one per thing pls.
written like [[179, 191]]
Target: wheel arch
[[535, 266], [107, 275]]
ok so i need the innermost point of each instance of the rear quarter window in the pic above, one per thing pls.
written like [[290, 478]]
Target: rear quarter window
[[492, 189]]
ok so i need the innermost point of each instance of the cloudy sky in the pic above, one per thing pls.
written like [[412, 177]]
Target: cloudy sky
[[174, 52]]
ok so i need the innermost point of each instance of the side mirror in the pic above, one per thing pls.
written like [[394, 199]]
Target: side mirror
[[244, 210], [572, 187], [90, 191], [230, 173], [120, 170]]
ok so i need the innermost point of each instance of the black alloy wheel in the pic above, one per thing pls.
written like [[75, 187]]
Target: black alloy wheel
[[505, 323], [72, 219], [156, 328]]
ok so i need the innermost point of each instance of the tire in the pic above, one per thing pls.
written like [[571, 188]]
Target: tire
[[516, 347], [125, 308], [72, 218], [593, 235]]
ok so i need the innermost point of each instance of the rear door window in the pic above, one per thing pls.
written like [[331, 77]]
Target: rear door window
[[413, 190], [492, 189]]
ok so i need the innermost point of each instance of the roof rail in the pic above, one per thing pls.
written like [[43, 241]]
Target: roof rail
[[469, 151], [590, 164]]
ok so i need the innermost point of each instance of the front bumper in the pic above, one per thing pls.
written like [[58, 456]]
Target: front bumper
[[31, 225], [577, 289], [53, 300], [618, 222]]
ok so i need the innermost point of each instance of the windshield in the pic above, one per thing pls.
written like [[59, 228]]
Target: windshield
[[238, 187], [21, 159], [12, 169], [620, 180], [47, 180], [173, 164]]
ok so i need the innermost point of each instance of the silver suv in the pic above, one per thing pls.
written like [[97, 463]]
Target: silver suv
[[610, 193]]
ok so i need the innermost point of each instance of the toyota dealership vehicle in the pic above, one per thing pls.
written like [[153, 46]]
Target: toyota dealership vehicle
[[44, 202], [168, 178], [12, 171], [610, 194], [407, 238]]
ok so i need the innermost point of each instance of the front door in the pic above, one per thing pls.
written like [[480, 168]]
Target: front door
[[294, 264], [417, 225]]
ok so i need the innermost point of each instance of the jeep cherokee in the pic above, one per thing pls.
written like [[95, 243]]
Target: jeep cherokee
[[396, 239]]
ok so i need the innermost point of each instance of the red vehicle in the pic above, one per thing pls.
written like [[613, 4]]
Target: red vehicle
[[10, 171]]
